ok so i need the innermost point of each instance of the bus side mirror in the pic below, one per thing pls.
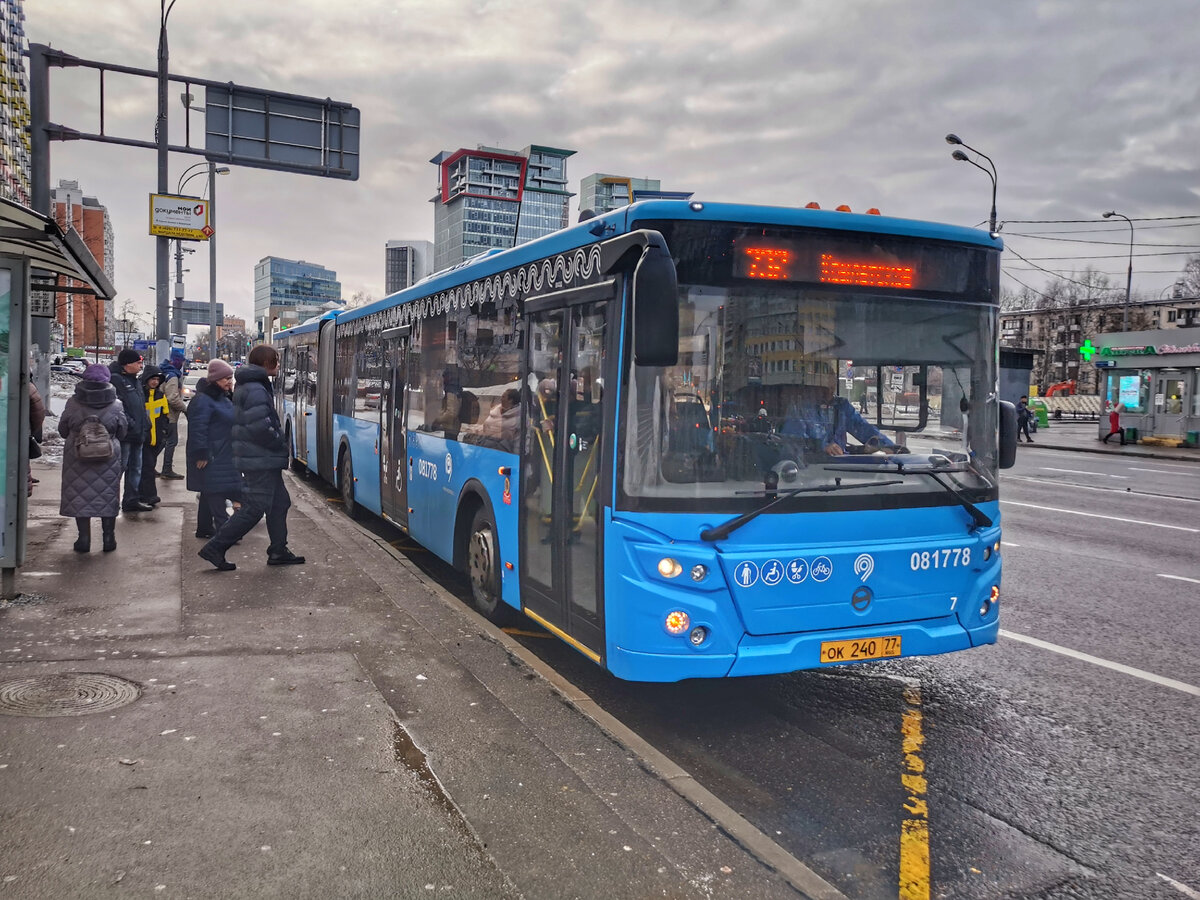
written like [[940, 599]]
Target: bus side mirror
[[1008, 435], [655, 308]]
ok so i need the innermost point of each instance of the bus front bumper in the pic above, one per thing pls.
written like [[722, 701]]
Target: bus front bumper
[[780, 653]]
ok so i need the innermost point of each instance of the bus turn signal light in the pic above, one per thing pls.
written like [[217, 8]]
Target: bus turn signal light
[[669, 568], [992, 600], [677, 622]]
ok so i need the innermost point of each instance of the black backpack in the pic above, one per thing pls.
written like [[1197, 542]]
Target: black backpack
[[92, 441]]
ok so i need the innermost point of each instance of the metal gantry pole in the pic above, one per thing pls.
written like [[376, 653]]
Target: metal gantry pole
[[162, 297]]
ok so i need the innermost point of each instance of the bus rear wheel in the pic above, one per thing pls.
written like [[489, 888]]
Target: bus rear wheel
[[483, 570], [346, 484]]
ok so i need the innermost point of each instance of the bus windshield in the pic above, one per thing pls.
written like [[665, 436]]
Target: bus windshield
[[784, 384]]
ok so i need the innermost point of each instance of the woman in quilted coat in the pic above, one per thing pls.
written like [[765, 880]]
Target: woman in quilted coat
[[92, 487], [210, 468]]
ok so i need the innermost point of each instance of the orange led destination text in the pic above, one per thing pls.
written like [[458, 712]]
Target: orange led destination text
[[837, 271], [767, 262]]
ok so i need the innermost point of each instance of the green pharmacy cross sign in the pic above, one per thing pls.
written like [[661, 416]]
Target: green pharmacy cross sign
[[1087, 349]]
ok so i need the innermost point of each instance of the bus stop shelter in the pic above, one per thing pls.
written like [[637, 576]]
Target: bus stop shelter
[[1153, 379], [29, 242]]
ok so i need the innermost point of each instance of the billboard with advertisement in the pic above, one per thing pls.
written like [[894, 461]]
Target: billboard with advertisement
[[185, 218]]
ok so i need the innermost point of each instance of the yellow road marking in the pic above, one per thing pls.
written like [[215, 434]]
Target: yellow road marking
[[914, 830]]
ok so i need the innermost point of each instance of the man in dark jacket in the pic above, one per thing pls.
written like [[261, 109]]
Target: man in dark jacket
[[260, 453], [172, 388], [125, 379]]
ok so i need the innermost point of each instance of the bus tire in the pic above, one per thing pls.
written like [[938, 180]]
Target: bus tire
[[346, 484], [483, 570]]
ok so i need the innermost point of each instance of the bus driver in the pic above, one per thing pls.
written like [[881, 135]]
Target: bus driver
[[824, 420]]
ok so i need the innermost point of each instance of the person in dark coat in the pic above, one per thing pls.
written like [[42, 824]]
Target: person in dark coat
[[157, 415], [37, 419], [210, 468], [125, 373], [92, 488], [172, 368], [260, 453]]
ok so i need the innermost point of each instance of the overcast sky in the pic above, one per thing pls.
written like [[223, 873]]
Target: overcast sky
[[1084, 106]]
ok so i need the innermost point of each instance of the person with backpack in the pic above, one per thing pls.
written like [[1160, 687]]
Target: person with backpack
[[93, 425], [125, 380]]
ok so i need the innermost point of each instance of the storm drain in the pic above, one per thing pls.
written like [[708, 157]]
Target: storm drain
[[68, 694]]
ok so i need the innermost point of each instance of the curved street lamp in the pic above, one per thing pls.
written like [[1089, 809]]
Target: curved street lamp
[[989, 172], [1129, 271]]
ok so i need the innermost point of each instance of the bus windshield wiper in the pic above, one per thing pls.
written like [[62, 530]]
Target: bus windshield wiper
[[932, 466], [723, 531]]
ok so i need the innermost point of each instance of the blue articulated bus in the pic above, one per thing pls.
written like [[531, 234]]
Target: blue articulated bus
[[690, 439]]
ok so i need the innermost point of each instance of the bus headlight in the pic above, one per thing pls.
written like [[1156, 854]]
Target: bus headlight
[[669, 568], [677, 622]]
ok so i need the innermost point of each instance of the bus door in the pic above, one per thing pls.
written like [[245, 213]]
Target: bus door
[[393, 475], [302, 401], [563, 469]]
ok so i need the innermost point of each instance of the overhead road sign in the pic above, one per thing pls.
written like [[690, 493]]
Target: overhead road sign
[[244, 126], [271, 130], [185, 218]]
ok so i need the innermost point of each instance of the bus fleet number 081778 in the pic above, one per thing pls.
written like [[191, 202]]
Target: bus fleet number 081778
[[939, 559]]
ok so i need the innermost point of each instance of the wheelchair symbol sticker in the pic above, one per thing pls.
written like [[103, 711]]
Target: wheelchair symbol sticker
[[772, 572], [746, 574]]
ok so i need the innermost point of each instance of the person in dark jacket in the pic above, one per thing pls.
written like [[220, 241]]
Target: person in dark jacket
[[157, 412], [260, 453], [92, 487], [37, 419], [125, 373], [172, 387], [210, 468]]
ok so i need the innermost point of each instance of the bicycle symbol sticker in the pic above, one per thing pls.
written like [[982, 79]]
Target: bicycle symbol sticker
[[822, 568]]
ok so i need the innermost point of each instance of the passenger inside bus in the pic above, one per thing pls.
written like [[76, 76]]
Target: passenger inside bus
[[503, 422]]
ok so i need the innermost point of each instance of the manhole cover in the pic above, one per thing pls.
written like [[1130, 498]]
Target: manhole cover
[[69, 694]]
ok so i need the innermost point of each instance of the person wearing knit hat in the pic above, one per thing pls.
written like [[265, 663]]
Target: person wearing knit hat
[[91, 470], [172, 374], [218, 369], [210, 468], [125, 370]]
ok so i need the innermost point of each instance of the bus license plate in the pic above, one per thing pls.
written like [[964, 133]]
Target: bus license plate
[[865, 648]]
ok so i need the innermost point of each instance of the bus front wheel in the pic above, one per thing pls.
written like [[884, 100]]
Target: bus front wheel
[[346, 483], [483, 570]]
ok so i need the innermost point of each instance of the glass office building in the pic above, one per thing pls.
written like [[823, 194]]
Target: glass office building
[[603, 193], [494, 198], [289, 291]]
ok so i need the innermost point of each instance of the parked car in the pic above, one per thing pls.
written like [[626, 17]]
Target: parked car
[[188, 389]]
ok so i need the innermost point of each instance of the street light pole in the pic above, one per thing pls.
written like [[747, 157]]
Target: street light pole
[[1129, 271], [212, 260], [213, 171], [990, 173]]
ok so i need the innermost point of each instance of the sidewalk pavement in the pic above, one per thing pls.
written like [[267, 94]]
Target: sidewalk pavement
[[343, 728], [1081, 436]]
